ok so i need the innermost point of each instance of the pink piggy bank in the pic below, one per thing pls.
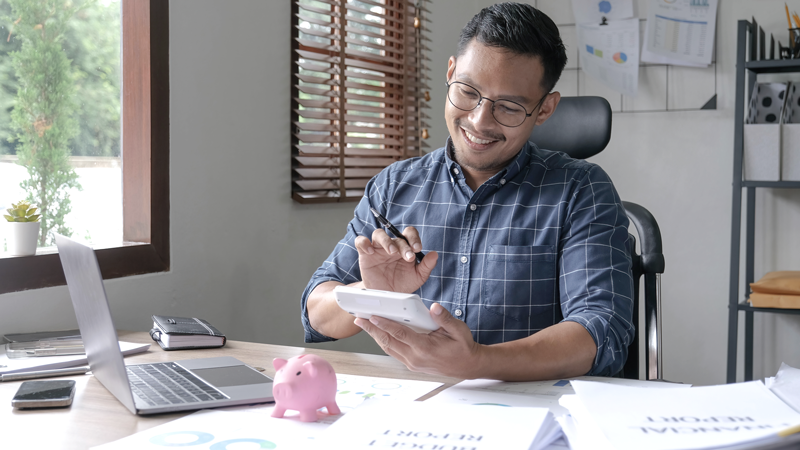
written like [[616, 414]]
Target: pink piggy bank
[[304, 383]]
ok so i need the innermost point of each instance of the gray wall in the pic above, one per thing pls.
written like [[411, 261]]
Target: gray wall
[[242, 250]]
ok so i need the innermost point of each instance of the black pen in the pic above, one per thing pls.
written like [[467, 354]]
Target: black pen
[[394, 231]]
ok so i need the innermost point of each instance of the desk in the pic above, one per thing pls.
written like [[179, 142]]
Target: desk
[[97, 417]]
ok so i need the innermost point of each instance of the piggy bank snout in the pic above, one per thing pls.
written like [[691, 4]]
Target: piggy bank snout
[[282, 391]]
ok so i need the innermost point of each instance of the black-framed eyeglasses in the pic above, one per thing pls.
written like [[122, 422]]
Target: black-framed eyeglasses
[[505, 112]]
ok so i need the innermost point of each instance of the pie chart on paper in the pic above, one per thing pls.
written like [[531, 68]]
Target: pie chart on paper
[[620, 57]]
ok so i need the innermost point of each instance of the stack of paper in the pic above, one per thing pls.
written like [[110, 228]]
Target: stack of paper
[[15, 365], [541, 394], [604, 416], [422, 425], [223, 430], [251, 426], [786, 385]]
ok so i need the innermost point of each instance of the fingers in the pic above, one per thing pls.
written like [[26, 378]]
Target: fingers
[[426, 266], [453, 327], [388, 335], [363, 245], [414, 241], [393, 246]]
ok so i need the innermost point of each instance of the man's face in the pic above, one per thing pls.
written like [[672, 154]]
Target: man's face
[[481, 145]]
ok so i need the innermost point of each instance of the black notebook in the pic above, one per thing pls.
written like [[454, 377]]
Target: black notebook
[[180, 333]]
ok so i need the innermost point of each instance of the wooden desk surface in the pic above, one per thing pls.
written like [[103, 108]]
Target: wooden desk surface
[[97, 417]]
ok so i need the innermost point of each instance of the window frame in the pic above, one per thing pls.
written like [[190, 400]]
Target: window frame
[[145, 144]]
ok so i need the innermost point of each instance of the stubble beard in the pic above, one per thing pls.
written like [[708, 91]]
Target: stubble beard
[[460, 157]]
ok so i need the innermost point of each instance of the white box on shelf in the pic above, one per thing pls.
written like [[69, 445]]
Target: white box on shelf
[[790, 152], [762, 152]]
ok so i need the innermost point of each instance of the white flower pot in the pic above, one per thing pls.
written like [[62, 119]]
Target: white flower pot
[[22, 238]]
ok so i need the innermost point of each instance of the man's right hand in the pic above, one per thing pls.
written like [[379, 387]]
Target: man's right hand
[[390, 264], [382, 267]]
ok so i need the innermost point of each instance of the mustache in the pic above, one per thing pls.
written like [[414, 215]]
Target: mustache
[[492, 136]]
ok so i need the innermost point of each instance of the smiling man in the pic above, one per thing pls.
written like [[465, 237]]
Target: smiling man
[[527, 270]]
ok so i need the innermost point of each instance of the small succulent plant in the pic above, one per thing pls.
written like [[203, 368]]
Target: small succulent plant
[[22, 212]]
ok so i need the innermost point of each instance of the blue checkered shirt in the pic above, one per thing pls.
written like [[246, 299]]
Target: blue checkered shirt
[[543, 241]]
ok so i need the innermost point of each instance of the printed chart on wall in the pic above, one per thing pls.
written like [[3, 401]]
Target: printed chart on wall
[[682, 29], [594, 11], [610, 54]]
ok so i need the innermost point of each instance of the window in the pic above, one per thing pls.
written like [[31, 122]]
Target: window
[[145, 151], [359, 92]]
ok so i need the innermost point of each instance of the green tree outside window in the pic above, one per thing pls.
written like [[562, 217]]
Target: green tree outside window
[[60, 59]]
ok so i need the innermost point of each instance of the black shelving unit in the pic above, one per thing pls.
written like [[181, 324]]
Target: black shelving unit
[[746, 74]]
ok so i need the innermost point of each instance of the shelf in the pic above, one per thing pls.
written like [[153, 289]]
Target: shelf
[[772, 184], [745, 306], [743, 235], [773, 66]]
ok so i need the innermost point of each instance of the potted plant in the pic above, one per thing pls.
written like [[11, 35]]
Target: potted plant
[[24, 226]]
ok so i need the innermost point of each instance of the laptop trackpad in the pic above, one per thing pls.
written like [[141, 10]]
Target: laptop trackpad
[[231, 376]]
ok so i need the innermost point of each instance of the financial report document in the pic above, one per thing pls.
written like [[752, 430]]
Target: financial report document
[[682, 29]]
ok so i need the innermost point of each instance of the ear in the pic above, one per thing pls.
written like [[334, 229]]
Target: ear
[[277, 363], [451, 67], [548, 107], [310, 368]]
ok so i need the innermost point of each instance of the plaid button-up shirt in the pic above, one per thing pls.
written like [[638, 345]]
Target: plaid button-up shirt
[[543, 241]]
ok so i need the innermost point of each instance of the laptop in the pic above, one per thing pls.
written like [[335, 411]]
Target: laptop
[[149, 388]]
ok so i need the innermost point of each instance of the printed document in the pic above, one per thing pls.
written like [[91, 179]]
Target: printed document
[[593, 11], [15, 365], [682, 29], [541, 394], [422, 425], [701, 417], [610, 54]]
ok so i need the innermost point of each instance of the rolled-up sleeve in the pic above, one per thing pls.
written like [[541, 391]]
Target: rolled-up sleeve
[[595, 270], [342, 264]]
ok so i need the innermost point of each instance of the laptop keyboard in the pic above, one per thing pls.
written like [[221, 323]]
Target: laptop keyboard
[[169, 384]]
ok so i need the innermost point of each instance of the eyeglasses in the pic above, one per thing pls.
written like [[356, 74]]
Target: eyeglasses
[[505, 112]]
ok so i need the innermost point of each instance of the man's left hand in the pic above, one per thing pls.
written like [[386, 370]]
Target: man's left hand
[[449, 350]]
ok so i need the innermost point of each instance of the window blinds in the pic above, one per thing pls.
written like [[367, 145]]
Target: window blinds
[[359, 93]]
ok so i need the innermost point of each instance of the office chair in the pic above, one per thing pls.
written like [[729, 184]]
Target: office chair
[[588, 121]]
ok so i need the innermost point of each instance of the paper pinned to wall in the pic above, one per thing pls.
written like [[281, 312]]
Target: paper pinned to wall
[[654, 58], [682, 29], [593, 11], [610, 54]]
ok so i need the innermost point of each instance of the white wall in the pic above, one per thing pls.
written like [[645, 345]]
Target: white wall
[[242, 250]]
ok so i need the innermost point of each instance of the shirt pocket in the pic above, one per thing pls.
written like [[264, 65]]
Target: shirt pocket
[[520, 282]]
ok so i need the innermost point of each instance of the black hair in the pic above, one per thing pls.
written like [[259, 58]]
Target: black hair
[[520, 29]]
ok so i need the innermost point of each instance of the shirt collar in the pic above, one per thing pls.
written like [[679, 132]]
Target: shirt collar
[[507, 173]]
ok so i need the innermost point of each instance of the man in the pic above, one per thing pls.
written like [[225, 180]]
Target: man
[[527, 269]]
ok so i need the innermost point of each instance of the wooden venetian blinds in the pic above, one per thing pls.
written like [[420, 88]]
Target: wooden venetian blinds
[[359, 93]]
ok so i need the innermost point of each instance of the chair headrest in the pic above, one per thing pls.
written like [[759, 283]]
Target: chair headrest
[[580, 127]]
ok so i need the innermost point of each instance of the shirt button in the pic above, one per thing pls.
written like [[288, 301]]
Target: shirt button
[[455, 171], [473, 206], [459, 313], [503, 181], [464, 259]]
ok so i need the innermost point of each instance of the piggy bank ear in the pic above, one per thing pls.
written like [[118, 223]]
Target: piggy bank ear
[[310, 368], [277, 363]]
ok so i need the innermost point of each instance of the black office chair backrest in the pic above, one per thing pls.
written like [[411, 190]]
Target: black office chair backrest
[[581, 128]]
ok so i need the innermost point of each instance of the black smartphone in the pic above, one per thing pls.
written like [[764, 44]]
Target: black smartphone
[[44, 394]]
